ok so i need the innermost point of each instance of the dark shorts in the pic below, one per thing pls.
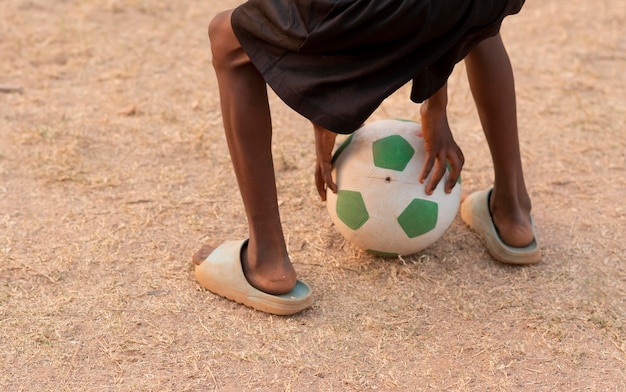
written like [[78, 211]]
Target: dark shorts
[[335, 61]]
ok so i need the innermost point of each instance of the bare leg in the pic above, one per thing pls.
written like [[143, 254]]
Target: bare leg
[[491, 81], [248, 127]]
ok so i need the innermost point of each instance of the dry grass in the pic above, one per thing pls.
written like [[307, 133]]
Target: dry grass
[[113, 169]]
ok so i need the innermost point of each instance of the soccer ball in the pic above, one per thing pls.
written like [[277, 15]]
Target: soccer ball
[[380, 205]]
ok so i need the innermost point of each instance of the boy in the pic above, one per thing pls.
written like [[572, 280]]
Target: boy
[[334, 62]]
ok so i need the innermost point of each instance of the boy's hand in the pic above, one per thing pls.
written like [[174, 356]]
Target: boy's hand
[[440, 145], [324, 144]]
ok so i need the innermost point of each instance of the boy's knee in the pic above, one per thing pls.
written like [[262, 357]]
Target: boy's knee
[[218, 26], [224, 44]]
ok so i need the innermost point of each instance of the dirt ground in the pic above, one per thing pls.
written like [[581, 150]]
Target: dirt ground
[[113, 170]]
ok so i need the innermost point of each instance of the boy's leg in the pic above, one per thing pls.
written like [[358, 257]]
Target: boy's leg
[[491, 81], [247, 123]]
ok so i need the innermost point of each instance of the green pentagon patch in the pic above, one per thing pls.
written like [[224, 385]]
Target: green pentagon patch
[[419, 217], [392, 152], [351, 209]]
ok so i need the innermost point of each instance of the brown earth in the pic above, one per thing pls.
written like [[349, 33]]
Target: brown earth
[[113, 170]]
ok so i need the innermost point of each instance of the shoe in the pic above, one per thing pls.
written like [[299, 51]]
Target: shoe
[[476, 213], [222, 274]]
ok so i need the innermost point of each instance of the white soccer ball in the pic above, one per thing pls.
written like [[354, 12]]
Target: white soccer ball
[[380, 205]]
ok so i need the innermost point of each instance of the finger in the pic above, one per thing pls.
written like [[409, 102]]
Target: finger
[[319, 183], [454, 171], [427, 167], [453, 176], [451, 183], [327, 175], [436, 177]]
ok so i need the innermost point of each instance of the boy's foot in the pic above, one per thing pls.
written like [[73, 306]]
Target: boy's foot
[[280, 282], [222, 273], [475, 212], [514, 228]]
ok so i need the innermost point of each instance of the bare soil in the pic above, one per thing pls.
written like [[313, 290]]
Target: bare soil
[[114, 169]]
